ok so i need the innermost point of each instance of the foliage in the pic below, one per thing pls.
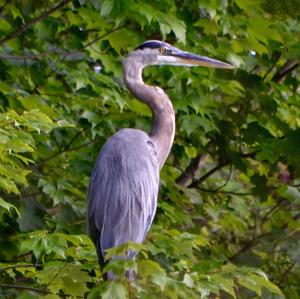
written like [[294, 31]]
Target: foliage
[[229, 226]]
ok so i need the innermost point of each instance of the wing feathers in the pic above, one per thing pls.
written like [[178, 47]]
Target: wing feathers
[[123, 190]]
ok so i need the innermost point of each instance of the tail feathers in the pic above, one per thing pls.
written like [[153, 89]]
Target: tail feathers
[[102, 262], [101, 259]]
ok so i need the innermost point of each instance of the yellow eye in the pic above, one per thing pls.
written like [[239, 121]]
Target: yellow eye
[[162, 50]]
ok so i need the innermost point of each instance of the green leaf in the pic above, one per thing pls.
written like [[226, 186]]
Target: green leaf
[[114, 290], [178, 27], [148, 267], [5, 26], [7, 206], [208, 26], [106, 7], [188, 280]]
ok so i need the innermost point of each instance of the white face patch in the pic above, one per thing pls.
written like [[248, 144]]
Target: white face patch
[[154, 57], [171, 60]]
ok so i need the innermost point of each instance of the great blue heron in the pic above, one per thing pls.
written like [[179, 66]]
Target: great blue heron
[[123, 189]]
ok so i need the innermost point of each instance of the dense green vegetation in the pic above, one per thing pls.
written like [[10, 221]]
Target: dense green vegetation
[[229, 226]]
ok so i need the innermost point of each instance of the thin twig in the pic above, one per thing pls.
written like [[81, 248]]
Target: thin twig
[[11, 197], [18, 57], [102, 36], [254, 239], [286, 273], [227, 180], [266, 216], [74, 138], [23, 287], [224, 192], [19, 266], [255, 222], [62, 53], [197, 182], [295, 218], [93, 41], [247, 246], [66, 150], [43, 16]]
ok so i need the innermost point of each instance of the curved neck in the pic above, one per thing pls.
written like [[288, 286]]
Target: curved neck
[[163, 128]]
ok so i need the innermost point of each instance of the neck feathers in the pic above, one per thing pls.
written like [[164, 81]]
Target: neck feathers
[[163, 128]]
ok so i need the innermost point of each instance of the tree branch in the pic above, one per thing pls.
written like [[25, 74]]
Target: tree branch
[[287, 68], [276, 57], [186, 178], [195, 183], [43, 16]]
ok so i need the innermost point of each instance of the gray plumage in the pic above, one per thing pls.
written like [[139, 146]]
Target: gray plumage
[[123, 190], [122, 195]]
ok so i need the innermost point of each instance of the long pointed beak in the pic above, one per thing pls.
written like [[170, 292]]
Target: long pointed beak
[[190, 59]]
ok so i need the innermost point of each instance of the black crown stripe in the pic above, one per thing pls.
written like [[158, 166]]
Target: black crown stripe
[[151, 45]]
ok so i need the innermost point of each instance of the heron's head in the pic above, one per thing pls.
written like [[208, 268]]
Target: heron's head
[[155, 52]]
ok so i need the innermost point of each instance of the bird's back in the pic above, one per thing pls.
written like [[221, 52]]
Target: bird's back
[[123, 190]]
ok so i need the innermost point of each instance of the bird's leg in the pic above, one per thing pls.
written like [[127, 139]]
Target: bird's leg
[[129, 288], [130, 275]]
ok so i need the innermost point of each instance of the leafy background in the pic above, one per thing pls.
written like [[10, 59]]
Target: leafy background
[[227, 224]]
